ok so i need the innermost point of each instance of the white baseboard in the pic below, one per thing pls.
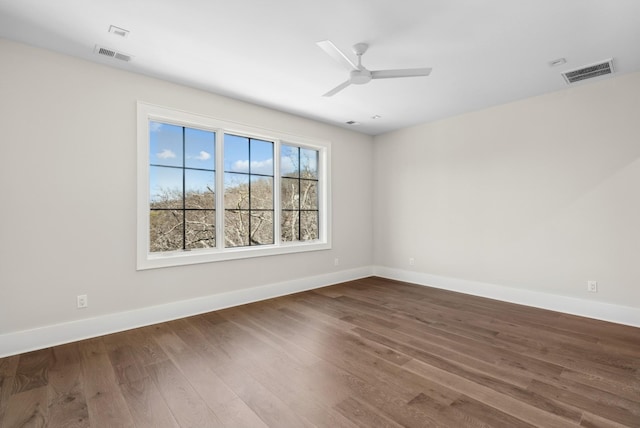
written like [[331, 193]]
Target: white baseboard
[[57, 334], [570, 305], [29, 340]]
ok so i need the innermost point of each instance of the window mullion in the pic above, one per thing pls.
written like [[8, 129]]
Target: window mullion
[[277, 186], [184, 190], [299, 195], [249, 195], [219, 189]]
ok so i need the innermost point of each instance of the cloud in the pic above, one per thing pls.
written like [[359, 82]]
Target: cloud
[[155, 126], [241, 165], [287, 165], [203, 156], [166, 154], [257, 167]]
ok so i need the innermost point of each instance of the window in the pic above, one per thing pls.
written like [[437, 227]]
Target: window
[[210, 190], [248, 191], [299, 193], [181, 188]]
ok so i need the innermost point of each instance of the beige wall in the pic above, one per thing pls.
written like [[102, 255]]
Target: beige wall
[[68, 174], [541, 194]]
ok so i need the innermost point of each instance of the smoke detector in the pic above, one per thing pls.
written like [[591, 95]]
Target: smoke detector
[[120, 32], [557, 62], [589, 71]]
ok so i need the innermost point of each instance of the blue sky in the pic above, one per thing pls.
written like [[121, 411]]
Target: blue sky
[[165, 148]]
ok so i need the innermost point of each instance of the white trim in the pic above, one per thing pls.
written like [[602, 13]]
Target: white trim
[[147, 260], [57, 334], [570, 305]]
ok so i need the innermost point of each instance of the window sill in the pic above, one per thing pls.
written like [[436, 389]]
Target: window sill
[[180, 258]]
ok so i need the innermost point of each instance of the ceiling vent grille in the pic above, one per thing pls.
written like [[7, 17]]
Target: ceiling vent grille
[[111, 53], [589, 71], [122, 57]]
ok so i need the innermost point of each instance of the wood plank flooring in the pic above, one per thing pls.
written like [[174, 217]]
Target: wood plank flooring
[[368, 353]]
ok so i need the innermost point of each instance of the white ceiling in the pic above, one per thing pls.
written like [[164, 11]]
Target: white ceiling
[[483, 53]]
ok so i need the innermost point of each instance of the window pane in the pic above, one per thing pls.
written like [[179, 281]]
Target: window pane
[[165, 230], [308, 225], [236, 228], [289, 161], [199, 149], [236, 191], [200, 229], [165, 187], [236, 153], [308, 195], [289, 225], [308, 163], [261, 192], [199, 186], [289, 193], [165, 144], [261, 157], [261, 227]]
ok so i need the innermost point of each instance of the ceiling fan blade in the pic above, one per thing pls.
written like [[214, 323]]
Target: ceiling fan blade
[[407, 72], [337, 89], [336, 54]]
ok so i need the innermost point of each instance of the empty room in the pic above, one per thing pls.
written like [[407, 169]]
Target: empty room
[[419, 213]]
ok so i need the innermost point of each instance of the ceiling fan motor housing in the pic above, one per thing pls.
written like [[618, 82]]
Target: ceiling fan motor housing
[[360, 77]]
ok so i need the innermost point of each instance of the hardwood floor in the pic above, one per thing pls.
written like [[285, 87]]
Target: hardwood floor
[[368, 353]]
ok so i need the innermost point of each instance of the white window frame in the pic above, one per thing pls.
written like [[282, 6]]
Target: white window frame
[[150, 260]]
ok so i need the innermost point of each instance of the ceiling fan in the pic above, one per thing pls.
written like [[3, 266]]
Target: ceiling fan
[[359, 75]]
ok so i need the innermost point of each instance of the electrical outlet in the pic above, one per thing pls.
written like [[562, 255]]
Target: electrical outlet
[[83, 302], [412, 261], [336, 262], [592, 286]]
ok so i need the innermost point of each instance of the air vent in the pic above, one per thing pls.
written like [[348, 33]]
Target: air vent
[[112, 53], [106, 52], [122, 57], [589, 71]]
